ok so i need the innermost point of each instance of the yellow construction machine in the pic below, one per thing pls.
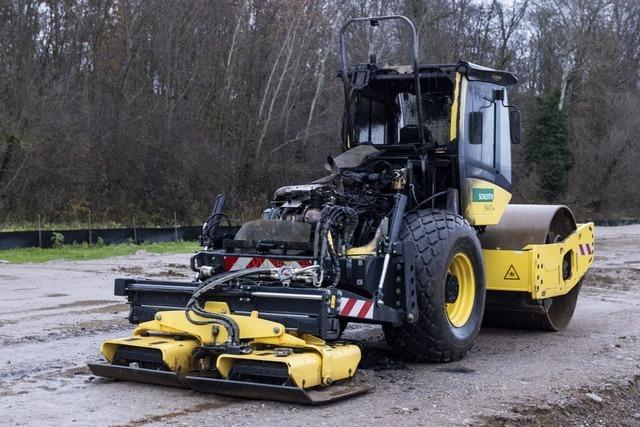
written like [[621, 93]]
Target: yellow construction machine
[[412, 230]]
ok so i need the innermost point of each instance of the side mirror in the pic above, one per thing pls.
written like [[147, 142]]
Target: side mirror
[[475, 127], [514, 125]]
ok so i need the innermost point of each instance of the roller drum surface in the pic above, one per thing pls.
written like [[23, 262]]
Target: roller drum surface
[[522, 225], [516, 310]]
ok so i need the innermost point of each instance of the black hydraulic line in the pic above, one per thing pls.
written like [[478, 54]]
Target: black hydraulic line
[[495, 134], [331, 216], [216, 217], [337, 271], [194, 305], [396, 219], [350, 223], [428, 199], [229, 324]]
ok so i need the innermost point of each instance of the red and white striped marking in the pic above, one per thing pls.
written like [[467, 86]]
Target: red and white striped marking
[[232, 263], [354, 307], [585, 249]]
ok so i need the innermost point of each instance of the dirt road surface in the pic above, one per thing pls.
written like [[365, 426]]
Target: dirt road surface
[[53, 317]]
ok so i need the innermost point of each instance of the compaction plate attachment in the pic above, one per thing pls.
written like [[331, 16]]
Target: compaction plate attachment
[[251, 390]]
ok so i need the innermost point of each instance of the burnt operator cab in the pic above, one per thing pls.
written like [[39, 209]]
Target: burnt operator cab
[[462, 150]]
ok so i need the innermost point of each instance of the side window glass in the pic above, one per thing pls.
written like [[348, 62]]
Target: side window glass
[[486, 147], [479, 124]]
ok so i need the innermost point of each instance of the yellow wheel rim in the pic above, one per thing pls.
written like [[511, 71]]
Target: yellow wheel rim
[[460, 290]]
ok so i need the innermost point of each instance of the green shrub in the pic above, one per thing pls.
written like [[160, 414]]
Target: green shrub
[[57, 240]]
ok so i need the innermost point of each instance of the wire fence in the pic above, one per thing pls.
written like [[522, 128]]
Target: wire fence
[[107, 236], [47, 238]]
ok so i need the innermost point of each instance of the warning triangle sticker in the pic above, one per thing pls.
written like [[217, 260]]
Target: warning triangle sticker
[[512, 274]]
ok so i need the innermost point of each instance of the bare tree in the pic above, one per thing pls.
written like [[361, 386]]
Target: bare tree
[[115, 107]]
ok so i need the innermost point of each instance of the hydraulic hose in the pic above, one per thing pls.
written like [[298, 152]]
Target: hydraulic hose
[[307, 274], [194, 304], [331, 218]]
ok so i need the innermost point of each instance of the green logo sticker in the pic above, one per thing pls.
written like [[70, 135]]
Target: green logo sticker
[[482, 195]]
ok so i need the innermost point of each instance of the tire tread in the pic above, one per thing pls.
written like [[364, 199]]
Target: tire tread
[[421, 341]]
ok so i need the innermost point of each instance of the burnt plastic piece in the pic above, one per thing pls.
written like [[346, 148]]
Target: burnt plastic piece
[[274, 230]]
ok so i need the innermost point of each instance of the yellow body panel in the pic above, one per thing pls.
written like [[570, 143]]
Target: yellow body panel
[[176, 354], [455, 108], [322, 366], [537, 269], [486, 202], [304, 368], [367, 250]]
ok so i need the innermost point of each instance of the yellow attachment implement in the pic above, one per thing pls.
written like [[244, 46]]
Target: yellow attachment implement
[[309, 361]]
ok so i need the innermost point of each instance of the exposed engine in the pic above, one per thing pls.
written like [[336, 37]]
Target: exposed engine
[[349, 208], [344, 210], [361, 196]]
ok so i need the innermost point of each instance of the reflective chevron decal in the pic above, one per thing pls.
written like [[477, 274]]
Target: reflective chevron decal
[[585, 249], [354, 307], [232, 263]]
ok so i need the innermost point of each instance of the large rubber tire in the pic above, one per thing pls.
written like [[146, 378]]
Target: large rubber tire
[[438, 237]]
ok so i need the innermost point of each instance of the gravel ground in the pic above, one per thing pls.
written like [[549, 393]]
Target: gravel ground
[[53, 317]]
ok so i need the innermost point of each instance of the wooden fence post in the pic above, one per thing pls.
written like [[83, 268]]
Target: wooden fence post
[[39, 232], [175, 226], [135, 231]]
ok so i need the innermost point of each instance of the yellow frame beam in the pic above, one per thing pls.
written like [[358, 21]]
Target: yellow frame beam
[[537, 269]]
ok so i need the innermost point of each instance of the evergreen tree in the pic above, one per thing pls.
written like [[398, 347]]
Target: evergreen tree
[[548, 146]]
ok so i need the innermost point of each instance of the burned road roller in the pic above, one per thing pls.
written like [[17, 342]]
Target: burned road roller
[[410, 229]]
